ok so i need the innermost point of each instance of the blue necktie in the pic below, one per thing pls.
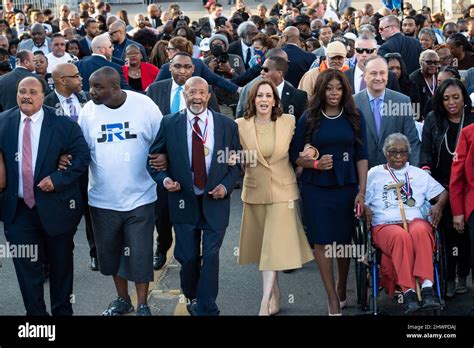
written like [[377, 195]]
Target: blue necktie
[[377, 115], [176, 100]]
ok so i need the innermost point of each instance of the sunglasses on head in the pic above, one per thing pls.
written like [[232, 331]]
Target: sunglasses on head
[[366, 50], [392, 55]]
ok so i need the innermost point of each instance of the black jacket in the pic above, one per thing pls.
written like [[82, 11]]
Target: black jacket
[[432, 139], [423, 91]]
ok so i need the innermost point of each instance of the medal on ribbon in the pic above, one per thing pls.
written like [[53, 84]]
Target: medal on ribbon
[[410, 201]]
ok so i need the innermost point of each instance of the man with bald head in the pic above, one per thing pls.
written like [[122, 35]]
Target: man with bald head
[[42, 206], [102, 50], [300, 60], [199, 199], [119, 127], [38, 42], [118, 36]]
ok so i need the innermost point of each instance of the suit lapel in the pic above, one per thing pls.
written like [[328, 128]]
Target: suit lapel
[[286, 98], [166, 96], [183, 134], [384, 118], [45, 137], [218, 145], [369, 116], [249, 137], [281, 135], [15, 124]]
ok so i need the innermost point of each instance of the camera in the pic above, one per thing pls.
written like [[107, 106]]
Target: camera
[[218, 52]]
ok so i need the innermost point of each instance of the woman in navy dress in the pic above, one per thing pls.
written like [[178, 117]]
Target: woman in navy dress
[[332, 185]]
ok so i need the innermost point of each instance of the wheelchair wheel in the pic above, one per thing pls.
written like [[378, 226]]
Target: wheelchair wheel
[[440, 260]]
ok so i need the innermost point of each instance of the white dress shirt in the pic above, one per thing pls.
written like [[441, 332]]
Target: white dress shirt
[[209, 140], [44, 48], [244, 51], [182, 101], [65, 104], [53, 60], [35, 131], [357, 79], [280, 88]]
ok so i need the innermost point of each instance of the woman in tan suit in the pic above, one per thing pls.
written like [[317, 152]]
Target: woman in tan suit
[[271, 232]]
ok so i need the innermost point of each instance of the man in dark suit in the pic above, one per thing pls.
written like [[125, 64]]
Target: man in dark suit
[[299, 60], [42, 206], [385, 112], [292, 100], [8, 82], [91, 28], [243, 47], [168, 95], [101, 55], [68, 99], [199, 139], [75, 22], [366, 47], [154, 14], [395, 41], [119, 38]]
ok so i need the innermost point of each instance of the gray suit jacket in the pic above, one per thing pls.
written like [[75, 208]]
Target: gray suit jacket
[[319, 52], [397, 117], [160, 93], [28, 44], [52, 100]]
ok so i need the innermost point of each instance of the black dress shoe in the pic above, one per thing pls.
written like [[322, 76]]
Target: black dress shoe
[[94, 264], [191, 307], [159, 260], [289, 270]]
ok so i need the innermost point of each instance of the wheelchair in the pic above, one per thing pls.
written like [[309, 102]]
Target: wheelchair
[[367, 270]]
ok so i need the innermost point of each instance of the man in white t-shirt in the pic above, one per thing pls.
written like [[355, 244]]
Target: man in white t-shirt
[[119, 127], [58, 54]]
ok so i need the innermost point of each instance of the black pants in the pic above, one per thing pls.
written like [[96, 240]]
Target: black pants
[[457, 246], [162, 221], [26, 229], [83, 183]]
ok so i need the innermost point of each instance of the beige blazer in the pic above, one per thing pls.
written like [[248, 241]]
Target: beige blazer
[[273, 181]]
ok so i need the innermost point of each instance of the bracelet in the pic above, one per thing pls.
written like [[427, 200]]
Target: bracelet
[[315, 164], [426, 168]]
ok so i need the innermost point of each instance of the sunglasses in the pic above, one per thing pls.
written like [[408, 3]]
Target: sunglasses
[[392, 55], [432, 62], [265, 69], [395, 153], [366, 50], [383, 28]]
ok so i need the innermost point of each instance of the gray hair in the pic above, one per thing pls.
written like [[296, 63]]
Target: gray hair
[[393, 138], [243, 27], [367, 29], [367, 38], [427, 53], [429, 32]]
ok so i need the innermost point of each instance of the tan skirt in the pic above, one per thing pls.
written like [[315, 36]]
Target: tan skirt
[[272, 236]]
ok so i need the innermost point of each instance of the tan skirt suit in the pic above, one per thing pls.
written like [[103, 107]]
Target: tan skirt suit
[[271, 232]]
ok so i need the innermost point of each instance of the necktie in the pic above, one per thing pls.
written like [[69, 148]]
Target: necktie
[[27, 166], [247, 58], [176, 100], [377, 115], [198, 160], [362, 83], [72, 109]]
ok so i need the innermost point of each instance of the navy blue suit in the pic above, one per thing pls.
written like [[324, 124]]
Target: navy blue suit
[[408, 47], [85, 47], [88, 65], [201, 69], [52, 222], [299, 62], [199, 213]]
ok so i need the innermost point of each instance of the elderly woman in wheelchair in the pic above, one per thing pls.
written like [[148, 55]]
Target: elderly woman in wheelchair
[[396, 194]]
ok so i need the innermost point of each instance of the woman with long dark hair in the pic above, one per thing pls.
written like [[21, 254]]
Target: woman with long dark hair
[[397, 65], [333, 185], [271, 232], [441, 130]]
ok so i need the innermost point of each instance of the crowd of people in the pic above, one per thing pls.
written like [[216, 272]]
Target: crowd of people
[[316, 111]]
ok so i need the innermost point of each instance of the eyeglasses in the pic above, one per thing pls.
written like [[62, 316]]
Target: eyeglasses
[[395, 153], [392, 55], [132, 54], [366, 50], [59, 44], [432, 62], [383, 28]]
